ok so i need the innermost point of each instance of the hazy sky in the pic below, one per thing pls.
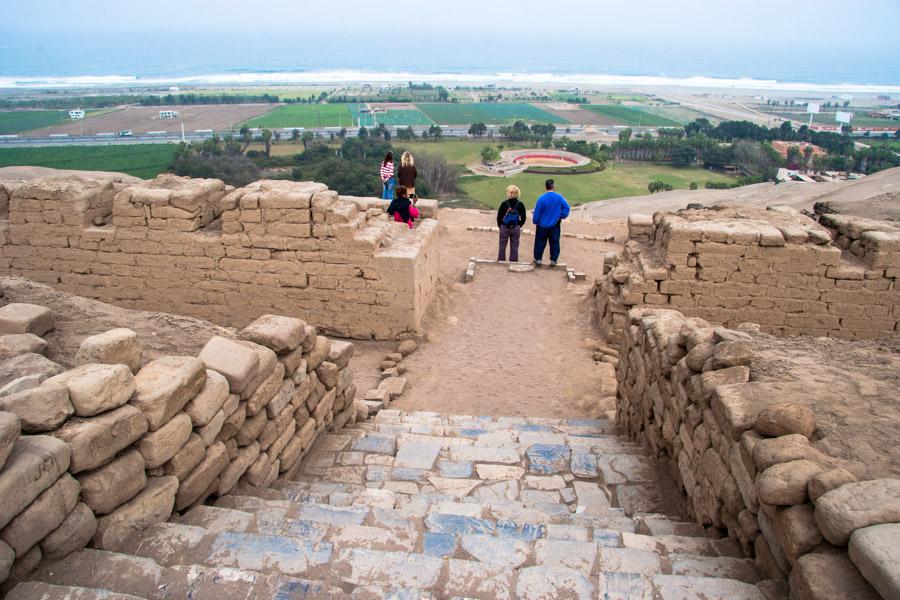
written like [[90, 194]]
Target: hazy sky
[[745, 22]]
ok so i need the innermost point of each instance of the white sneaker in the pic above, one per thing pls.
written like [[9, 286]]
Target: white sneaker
[[538, 263], [552, 263]]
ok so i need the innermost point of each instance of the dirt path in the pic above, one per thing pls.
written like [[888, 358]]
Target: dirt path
[[512, 344]]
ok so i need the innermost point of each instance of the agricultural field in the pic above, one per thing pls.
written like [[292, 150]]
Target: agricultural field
[[626, 115], [17, 121], [304, 115], [618, 180], [283, 92], [446, 113], [141, 119], [400, 117], [827, 118], [141, 160]]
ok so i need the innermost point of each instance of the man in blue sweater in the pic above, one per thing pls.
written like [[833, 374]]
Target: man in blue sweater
[[550, 210]]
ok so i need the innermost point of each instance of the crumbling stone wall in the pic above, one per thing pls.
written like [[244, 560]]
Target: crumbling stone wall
[[779, 269], [740, 451], [200, 248], [90, 454]]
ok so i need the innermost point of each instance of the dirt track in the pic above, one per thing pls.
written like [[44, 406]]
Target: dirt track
[[141, 119]]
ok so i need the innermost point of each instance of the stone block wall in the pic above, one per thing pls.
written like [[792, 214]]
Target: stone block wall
[[91, 454], [740, 450], [200, 248], [781, 270]]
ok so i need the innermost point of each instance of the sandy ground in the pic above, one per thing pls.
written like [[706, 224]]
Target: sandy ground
[[852, 389], [77, 318], [794, 194], [506, 343], [141, 119]]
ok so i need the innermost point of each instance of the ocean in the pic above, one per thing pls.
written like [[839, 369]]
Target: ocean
[[329, 57]]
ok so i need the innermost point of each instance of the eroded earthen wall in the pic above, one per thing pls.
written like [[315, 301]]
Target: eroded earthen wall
[[200, 248], [782, 270]]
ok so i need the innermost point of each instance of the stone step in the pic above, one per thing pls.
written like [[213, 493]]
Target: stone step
[[633, 586], [171, 544], [34, 590], [145, 578], [646, 562]]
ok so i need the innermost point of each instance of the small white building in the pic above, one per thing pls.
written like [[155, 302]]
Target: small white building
[[76, 114], [168, 114]]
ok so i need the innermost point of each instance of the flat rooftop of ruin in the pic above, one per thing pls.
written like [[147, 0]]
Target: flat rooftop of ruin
[[851, 386]]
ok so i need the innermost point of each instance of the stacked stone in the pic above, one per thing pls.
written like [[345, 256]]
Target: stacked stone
[[113, 447], [743, 456], [169, 203], [773, 268], [283, 247], [291, 384], [876, 243], [392, 384]]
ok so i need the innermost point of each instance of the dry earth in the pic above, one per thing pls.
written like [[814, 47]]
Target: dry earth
[[141, 119], [853, 387]]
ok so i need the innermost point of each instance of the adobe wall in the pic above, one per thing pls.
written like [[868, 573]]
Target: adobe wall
[[200, 248], [91, 454], [780, 269], [787, 462]]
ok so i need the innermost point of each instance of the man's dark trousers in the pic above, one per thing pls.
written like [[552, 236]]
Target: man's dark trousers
[[541, 236]]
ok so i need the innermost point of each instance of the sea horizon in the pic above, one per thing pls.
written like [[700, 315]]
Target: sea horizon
[[119, 59], [346, 77]]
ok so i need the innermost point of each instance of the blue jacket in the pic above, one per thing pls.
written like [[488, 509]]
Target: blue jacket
[[551, 208]]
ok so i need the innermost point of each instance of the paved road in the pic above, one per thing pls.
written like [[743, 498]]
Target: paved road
[[24, 140]]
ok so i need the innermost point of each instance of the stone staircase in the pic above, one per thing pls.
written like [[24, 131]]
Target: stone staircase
[[422, 505]]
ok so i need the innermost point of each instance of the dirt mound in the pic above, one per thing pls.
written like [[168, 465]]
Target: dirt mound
[[26, 173], [854, 196], [78, 318]]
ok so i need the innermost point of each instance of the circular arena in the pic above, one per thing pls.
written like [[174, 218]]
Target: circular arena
[[544, 157]]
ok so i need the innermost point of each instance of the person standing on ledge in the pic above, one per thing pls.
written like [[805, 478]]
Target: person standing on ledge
[[510, 217], [387, 176], [550, 210], [406, 174]]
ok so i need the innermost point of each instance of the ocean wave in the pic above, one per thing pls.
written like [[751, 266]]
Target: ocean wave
[[340, 77]]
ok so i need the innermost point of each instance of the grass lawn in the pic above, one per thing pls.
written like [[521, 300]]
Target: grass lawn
[[446, 113], [304, 115], [632, 116], [141, 160], [17, 121], [616, 181], [459, 152]]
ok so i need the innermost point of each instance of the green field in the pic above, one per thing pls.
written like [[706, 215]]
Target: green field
[[446, 113], [827, 118], [614, 182], [392, 118], [627, 115], [461, 152], [304, 115], [17, 121], [141, 160]]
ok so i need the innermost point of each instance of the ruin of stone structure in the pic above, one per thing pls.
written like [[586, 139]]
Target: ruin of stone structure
[[746, 458], [779, 269], [200, 248]]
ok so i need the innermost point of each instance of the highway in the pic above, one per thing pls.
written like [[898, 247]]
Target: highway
[[108, 139]]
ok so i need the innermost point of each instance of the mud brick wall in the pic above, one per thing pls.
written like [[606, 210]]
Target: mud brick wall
[[200, 248], [91, 454], [781, 270], [740, 451]]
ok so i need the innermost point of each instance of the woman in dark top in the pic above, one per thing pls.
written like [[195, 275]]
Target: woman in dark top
[[406, 174], [510, 218], [402, 209]]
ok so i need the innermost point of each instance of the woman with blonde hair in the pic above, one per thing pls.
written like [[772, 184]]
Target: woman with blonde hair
[[510, 218], [406, 174]]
